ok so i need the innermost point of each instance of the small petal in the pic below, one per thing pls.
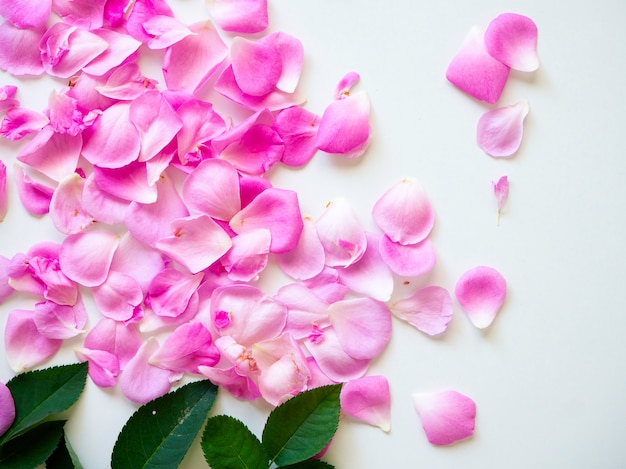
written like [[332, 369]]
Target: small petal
[[499, 131], [512, 39], [481, 292], [240, 16], [19, 122], [25, 346], [429, 309], [35, 197], [475, 72], [408, 260], [7, 408], [187, 348], [446, 416], [368, 399], [170, 292]]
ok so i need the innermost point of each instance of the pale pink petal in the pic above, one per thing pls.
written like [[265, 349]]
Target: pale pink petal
[[368, 399], [7, 408], [165, 31], [344, 127], [481, 292], [408, 260], [447, 416], [511, 38], [195, 242], [25, 13], [4, 201], [429, 309], [499, 131], [370, 275], [85, 13], [307, 258], [60, 321], [19, 54], [187, 348], [242, 387], [25, 346], [119, 297], [298, 128], [102, 150], [66, 206], [102, 206], [240, 16], [104, 367], [276, 210], [475, 72], [189, 63], [85, 257], [363, 326], [35, 197], [257, 66], [341, 234], [119, 339], [142, 382], [501, 191], [53, 154], [129, 182], [292, 57], [213, 189], [137, 260], [306, 310], [19, 122], [248, 256], [120, 47], [404, 212]]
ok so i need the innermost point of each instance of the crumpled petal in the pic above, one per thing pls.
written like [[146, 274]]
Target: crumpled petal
[[429, 309], [368, 399], [66, 206], [19, 54], [7, 408], [475, 72], [499, 131], [408, 260], [341, 234], [142, 382], [64, 115], [307, 258], [26, 14], [60, 321], [447, 416], [240, 16], [511, 38], [481, 292]]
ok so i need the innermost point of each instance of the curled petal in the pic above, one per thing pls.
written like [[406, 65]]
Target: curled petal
[[241, 16], [501, 191], [341, 234], [200, 124], [26, 14], [512, 39], [7, 408], [429, 309], [499, 131], [481, 292], [446, 416], [66, 206], [475, 72], [25, 346], [142, 382], [342, 90], [368, 399], [408, 260]]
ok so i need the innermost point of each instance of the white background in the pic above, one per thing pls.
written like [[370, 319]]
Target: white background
[[548, 376]]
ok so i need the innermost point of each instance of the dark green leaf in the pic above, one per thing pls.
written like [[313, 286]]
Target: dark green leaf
[[309, 464], [160, 432], [64, 456], [41, 393], [33, 447], [300, 428], [228, 444]]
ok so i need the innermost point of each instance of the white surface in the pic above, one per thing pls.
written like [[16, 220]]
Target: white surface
[[548, 376]]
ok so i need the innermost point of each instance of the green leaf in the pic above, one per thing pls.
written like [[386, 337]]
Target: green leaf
[[300, 428], [33, 447], [63, 456], [309, 464], [41, 393], [160, 432], [228, 444]]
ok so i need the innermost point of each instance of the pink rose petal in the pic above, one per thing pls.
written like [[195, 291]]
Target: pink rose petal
[[104, 367], [307, 258], [119, 339], [499, 131], [60, 321], [368, 399], [481, 292], [446, 416], [512, 39], [429, 309], [34, 196]]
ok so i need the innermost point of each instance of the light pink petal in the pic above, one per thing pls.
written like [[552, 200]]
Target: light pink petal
[[344, 127], [368, 399], [475, 72], [499, 131], [213, 189], [137, 260], [363, 326], [242, 387], [53, 154], [103, 367], [103, 207], [7, 408], [171, 290], [481, 292], [66, 207], [120, 47], [306, 310], [276, 210], [189, 63], [429, 309], [292, 57], [102, 150], [19, 122], [298, 129], [64, 115], [19, 54], [187, 348], [370, 275], [26, 14], [4, 201], [35, 197], [60, 321], [404, 212], [85, 257], [307, 258], [142, 382], [341, 234], [501, 191], [165, 31], [447, 416], [248, 256], [85, 13], [408, 260], [195, 242], [512, 39], [257, 66], [25, 346], [118, 297], [118, 339], [129, 182], [240, 16]]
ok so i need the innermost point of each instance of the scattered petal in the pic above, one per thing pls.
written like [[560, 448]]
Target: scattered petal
[[19, 54], [481, 292], [499, 131], [257, 66], [446, 416], [512, 39], [60, 321], [66, 206]]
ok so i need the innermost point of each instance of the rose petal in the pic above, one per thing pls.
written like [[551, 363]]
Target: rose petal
[[103, 367], [499, 131], [481, 292], [501, 191], [306, 259], [119, 339], [4, 202], [446, 416], [368, 399], [60, 321], [512, 39], [34, 196]]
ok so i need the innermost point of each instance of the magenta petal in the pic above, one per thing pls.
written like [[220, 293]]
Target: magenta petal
[[475, 72], [481, 292], [446, 416], [25, 346], [165, 31], [512, 39], [85, 13], [66, 206], [19, 122], [241, 16], [25, 13], [19, 54], [368, 399], [7, 408], [120, 47], [499, 131], [129, 182], [292, 57], [408, 260], [142, 382], [429, 309], [257, 66], [85, 257]]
